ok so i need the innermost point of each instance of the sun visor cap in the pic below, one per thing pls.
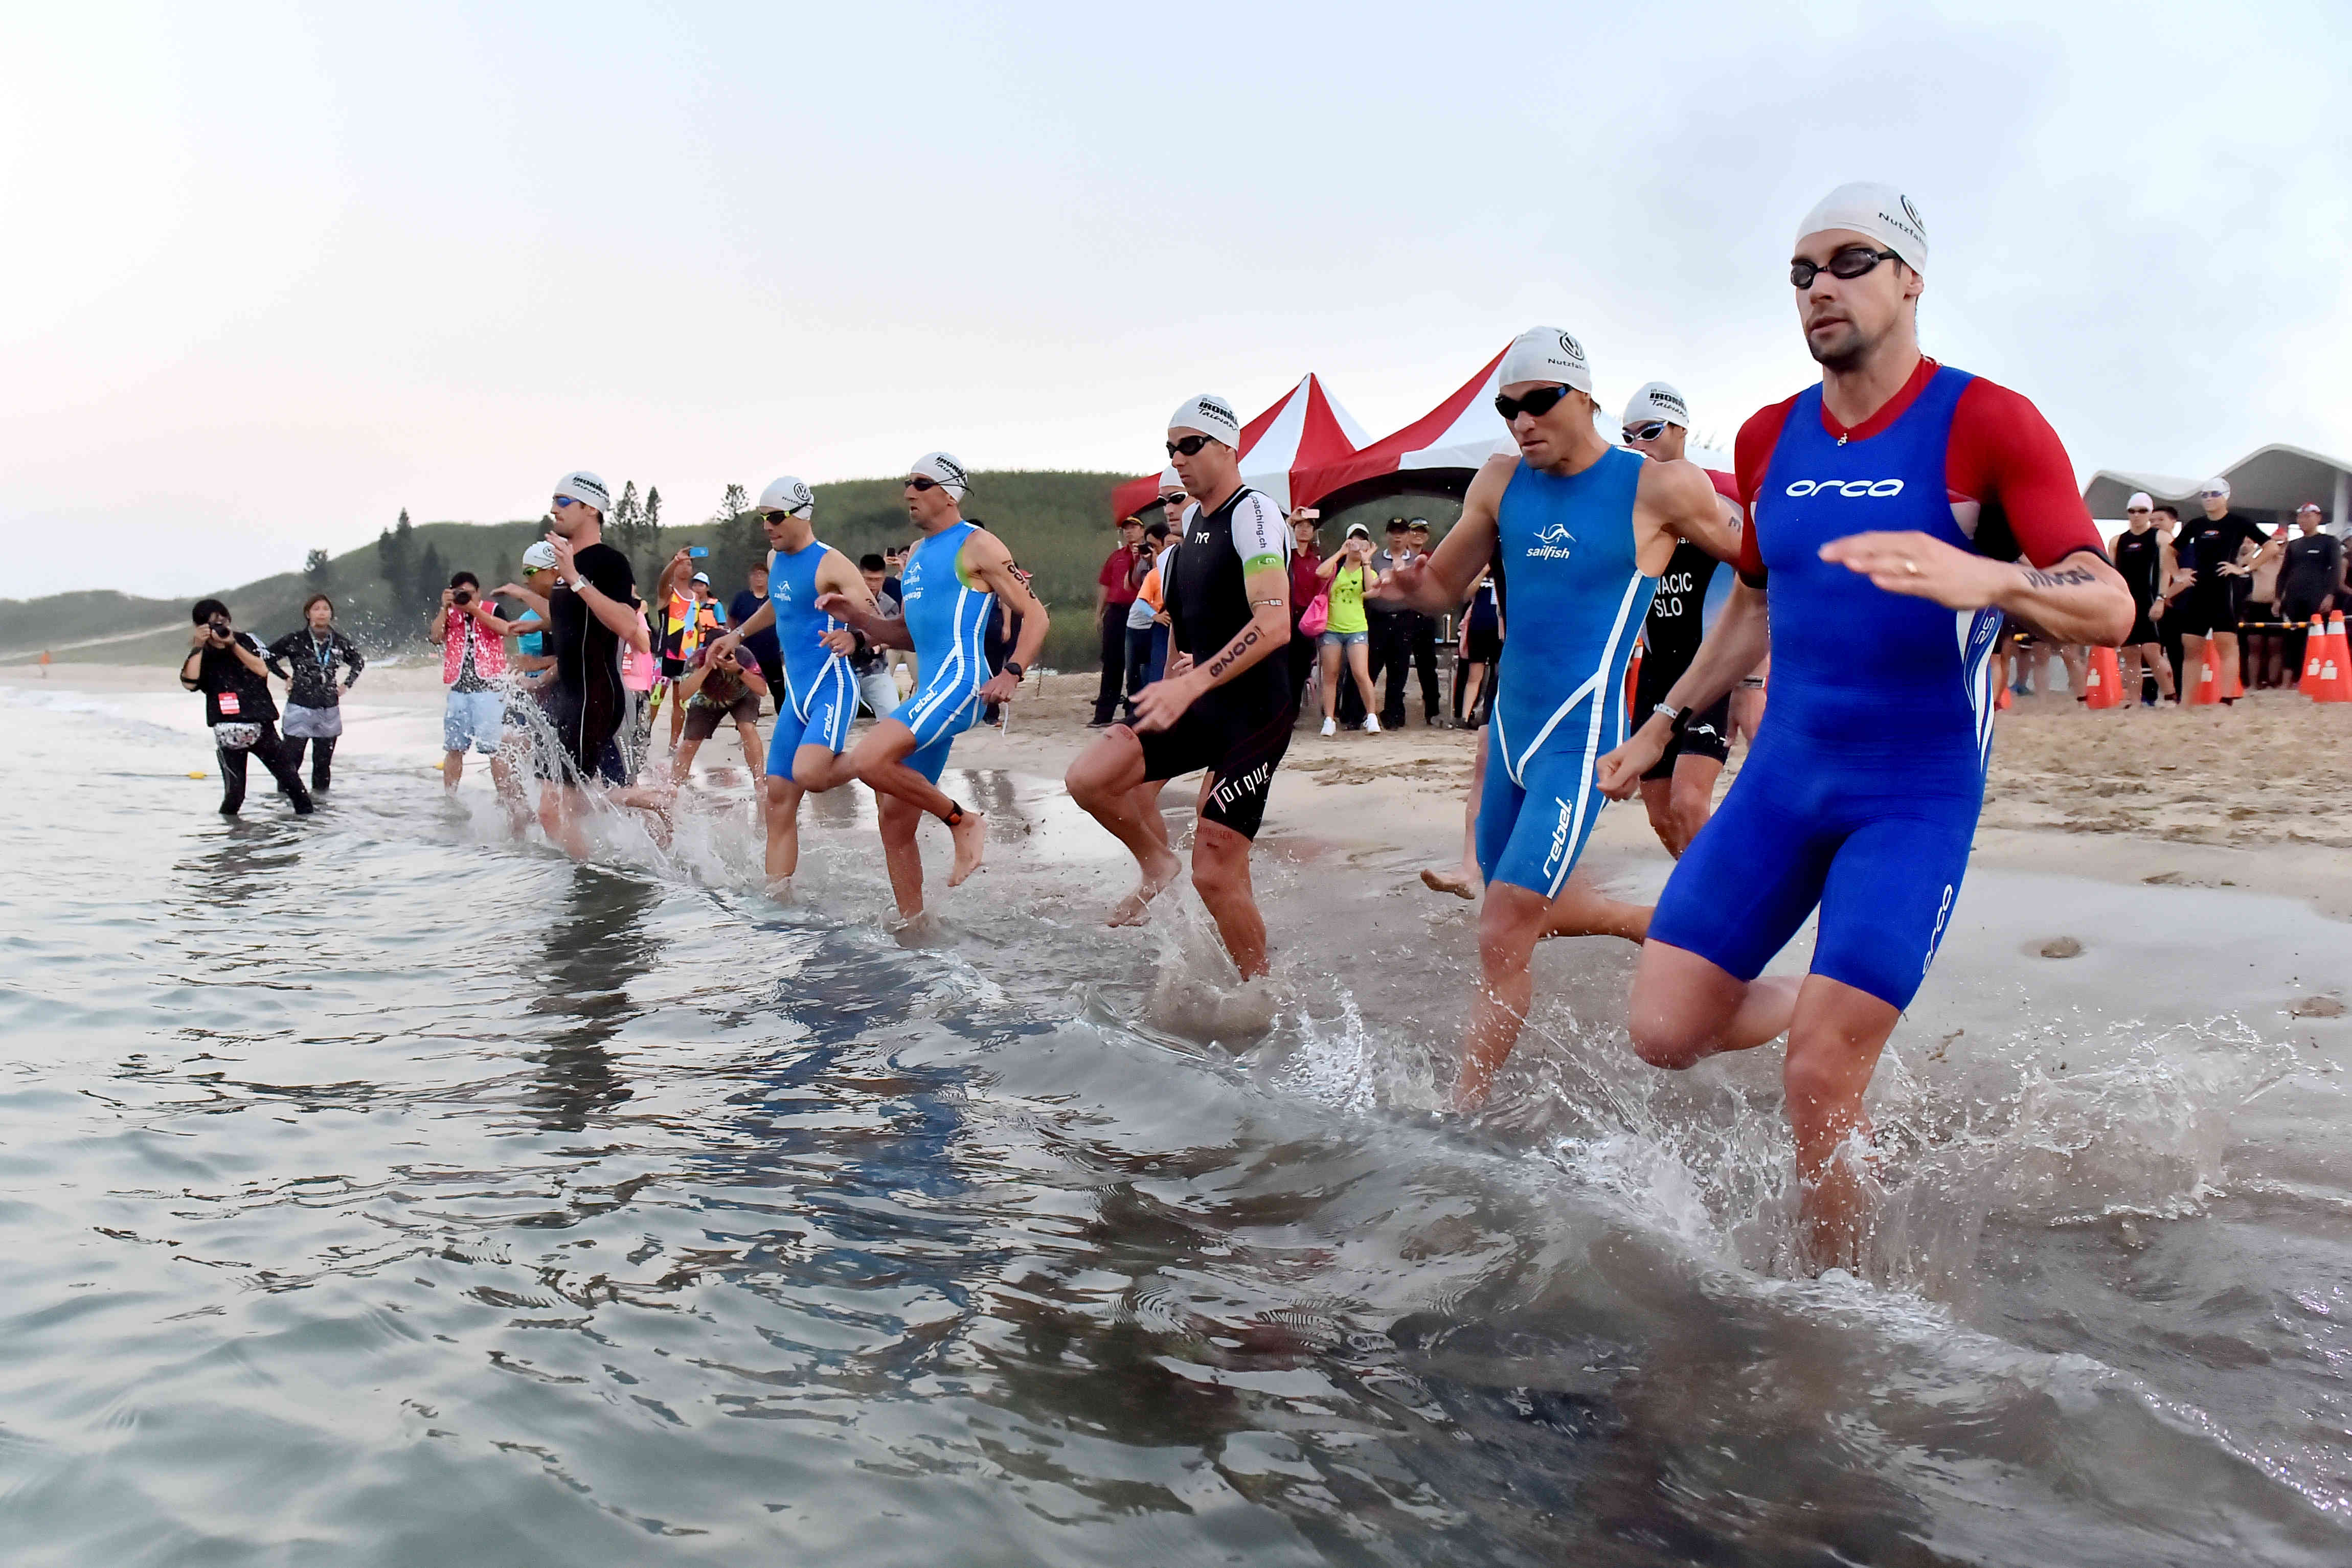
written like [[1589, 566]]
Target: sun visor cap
[[1547, 354]]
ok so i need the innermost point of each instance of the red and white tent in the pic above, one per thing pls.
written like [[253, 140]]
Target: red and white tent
[[1444, 445], [1306, 431]]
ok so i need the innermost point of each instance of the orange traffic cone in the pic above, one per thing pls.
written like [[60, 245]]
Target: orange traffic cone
[[2235, 685], [2103, 688], [2335, 684], [2001, 700], [1633, 683], [2314, 654]]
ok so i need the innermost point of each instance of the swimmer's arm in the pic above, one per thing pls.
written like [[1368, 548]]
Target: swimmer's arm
[[1437, 583], [1742, 638], [536, 602], [879, 631], [1163, 702], [1689, 509], [834, 576], [991, 563], [622, 621], [2078, 598]]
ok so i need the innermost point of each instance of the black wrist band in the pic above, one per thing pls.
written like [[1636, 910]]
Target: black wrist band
[[1012, 667]]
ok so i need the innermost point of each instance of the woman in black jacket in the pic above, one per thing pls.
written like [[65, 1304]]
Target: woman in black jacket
[[314, 712]]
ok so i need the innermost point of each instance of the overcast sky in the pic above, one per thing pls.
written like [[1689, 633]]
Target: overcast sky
[[273, 274]]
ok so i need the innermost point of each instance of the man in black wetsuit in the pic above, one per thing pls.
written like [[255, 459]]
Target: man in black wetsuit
[[2213, 551], [1224, 703], [592, 614], [1679, 790], [2144, 557], [2311, 581]]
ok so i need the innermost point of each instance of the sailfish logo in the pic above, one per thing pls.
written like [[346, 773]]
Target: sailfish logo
[[1551, 544]]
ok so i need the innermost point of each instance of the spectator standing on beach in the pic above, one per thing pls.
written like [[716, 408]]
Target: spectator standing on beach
[[2212, 553], [1396, 635], [306, 659], [877, 691], [2260, 627], [231, 669], [1115, 585], [2143, 560], [2311, 581], [1479, 650], [761, 645], [471, 633], [1306, 562], [1143, 615], [1347, 576]]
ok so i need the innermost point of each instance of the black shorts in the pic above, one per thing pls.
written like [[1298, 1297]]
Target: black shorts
[[2143, 629], [2254, 616], [702, 719], [1485, 646], [2202, 610], [1710, 732], [1240, 747], [584, 744]]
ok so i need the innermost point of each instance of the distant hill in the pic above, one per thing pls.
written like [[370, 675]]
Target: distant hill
[[1057, 525]]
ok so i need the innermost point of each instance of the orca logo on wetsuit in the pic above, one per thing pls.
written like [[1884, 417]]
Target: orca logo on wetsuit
[[1878, 489]]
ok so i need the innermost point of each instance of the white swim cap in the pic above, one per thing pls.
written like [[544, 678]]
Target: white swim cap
[[1656, 399], [586, 489], [787, 495], [1547, 354], [943, 468], [2216, 487], [2140, 501], [539, 557], [1210, 415], [1881, 212]]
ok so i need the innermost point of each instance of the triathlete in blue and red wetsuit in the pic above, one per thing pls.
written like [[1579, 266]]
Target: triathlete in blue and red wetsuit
[[1886, 506]]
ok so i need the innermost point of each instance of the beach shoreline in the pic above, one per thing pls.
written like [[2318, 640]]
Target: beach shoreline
[[2256, 797]]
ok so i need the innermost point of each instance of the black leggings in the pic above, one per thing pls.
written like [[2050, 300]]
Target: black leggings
[[323, 758], [273, 754]]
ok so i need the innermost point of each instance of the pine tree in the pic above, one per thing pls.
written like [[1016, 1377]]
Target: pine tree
[[315, 568], [432, 576], [395, 559]]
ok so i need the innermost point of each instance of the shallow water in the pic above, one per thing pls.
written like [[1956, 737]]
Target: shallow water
[[378, 1189]]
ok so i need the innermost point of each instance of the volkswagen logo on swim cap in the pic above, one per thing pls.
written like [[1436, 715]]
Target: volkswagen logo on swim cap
[[1546, 354], [788, 494]]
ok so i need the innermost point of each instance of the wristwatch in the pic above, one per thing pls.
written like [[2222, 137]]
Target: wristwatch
[[1012, 667]]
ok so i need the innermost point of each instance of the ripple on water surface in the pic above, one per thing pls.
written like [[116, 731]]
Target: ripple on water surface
[[375, 1190]]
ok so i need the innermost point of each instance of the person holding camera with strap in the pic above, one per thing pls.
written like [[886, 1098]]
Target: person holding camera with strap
[[231, 669]]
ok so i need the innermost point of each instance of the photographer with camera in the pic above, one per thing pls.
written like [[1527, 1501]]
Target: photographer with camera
[[471, 633], [231, 668]]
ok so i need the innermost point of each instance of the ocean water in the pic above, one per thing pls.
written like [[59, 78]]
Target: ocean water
[[380, 1189]]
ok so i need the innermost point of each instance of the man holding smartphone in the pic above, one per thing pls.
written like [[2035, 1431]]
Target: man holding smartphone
[[230, 668]]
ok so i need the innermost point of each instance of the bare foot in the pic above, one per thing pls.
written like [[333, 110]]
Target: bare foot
[[971, 837], [1460, 884], [1158, 873]]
